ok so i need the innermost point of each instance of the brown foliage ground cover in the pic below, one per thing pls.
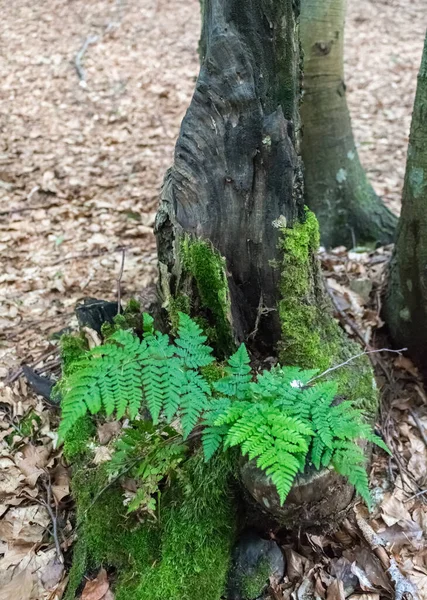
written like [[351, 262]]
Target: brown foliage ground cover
[[81, 163]]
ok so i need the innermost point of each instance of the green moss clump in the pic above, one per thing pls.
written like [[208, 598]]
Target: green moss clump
[[196, 537], [183, 556], [208, 269], [298, 311], [76, 444], [176, 305], [252, 585], [311, 338]]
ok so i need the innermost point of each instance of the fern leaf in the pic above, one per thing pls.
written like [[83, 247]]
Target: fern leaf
[[238, 375], [212, 438], [190, 344]]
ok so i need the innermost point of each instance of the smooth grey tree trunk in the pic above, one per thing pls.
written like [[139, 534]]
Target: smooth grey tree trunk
[[406, 299], [336, 187]]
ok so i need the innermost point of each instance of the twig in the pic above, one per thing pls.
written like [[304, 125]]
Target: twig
[[25, 208], [91, 39], [346, 362], [419, 425], [119, 281], [12, 378], [54, 520], [415, 496]]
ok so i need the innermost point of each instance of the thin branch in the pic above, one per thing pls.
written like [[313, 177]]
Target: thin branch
[[54, 521], [26, 208], [346, 362], [91, 39], [419, 425], [119, 281], [402, 585]]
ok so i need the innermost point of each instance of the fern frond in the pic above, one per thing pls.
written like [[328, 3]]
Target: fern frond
[[190, 344], [238, 375]]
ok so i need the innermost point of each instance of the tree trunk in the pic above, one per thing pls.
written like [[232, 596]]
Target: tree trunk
[[336, 186], [236, 248], [406, 299], [236, 178]]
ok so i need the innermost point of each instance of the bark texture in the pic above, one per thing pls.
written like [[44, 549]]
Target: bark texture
[[236, 171], [406, 299], [336, 186]]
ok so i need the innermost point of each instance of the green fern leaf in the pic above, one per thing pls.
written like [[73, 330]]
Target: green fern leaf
[[190, 344], [238, 375]]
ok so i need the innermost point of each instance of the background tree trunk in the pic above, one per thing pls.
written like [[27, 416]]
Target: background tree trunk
[[336, 186], [406, 299]]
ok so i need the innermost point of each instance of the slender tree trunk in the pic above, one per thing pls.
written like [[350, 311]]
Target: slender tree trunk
[[406, 299], [336, 186]]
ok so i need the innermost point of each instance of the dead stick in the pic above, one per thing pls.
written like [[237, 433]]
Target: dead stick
[[402, 585], [419, 425], [91, 39], [346, 362], [119, 281], [54, 521]]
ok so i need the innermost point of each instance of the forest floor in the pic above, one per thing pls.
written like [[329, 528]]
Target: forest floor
[[92, 96]]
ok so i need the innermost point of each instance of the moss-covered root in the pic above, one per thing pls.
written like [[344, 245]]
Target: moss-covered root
[[185, 555], [311, 338], [336, 186]]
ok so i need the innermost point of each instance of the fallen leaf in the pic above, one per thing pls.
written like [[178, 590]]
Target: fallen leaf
[[31, 460], [107, 431], [20, 587], [335, 591], [394, 511], [96, 588]]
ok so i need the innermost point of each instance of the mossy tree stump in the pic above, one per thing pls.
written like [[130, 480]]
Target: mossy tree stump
[[236, 246]]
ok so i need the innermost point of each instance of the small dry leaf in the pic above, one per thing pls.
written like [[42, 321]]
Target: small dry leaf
[[394, 511], [52, 574], [406, 364], [97, 588], [60, 482], [31, 460], [107, 431]]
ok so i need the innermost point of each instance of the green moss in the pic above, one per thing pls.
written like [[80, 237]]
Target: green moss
[[183, 556], [311, 338], [176, 305], [197, 532], [130, 318], [208, 270], [72, 348], [78, 438], [253, 584]]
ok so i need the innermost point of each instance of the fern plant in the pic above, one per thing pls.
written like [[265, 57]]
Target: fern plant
[[278, 418], [126, 373], [149, 455]]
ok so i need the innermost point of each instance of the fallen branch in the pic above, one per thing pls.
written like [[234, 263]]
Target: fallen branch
[[402, 585]]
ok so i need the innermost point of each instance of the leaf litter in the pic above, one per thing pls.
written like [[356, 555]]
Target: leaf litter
[[81, 164]]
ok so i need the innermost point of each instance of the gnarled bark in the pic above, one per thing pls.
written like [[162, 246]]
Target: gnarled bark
[[406, 299], [336, 186], [236, 247], [236, 171]]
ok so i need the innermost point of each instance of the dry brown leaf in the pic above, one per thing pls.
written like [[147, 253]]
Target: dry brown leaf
[[60, 478], [20, 587], [96, 588], [297, 565], [107, 431], [394, 511], [31, 460], [335, 591], [52, 574]]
